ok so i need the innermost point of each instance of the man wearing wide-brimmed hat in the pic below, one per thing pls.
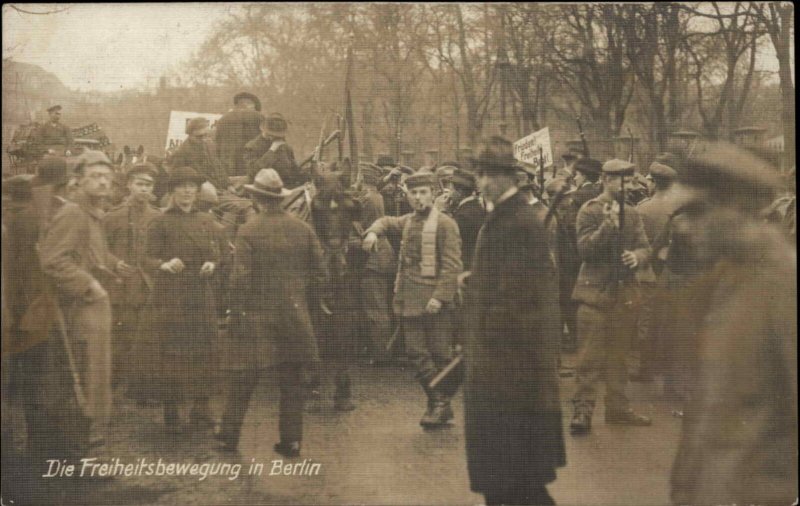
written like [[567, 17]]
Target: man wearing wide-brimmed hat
[[512, 411], [270, 151], [199, 153], [425, 288], [235, 129], [277, 269]]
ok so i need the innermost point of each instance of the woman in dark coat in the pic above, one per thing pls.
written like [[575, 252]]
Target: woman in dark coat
[[183, 251], [513, 426]]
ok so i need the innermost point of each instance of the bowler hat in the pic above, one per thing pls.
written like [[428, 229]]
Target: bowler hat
[[247, 96], [424, 179], [145, 168], [588, 166], [497, 156], [268, 183], [91, 157], [52, 170], [180, 175], [617, 167], [195, 124], [275, 124], [54, 108]]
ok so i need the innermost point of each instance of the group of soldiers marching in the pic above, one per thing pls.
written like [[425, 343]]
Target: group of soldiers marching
[[479, 273]]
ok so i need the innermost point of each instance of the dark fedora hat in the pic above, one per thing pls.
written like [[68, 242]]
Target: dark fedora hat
[[268, 183], [496, 157], [275, 124], [247, 96], [588, 166], [180, 175]]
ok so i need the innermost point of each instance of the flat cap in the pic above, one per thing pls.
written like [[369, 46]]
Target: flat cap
[[463, 177], [195, 124], [91, 157], [54, 108], [617, 167], [588, 166], [145, 168], [51, 170], [424, 179], [663, 171]]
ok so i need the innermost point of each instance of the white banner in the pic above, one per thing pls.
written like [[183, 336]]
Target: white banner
[[527, 149], [176, 133]]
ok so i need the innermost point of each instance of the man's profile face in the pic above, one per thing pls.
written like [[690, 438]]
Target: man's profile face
[[55, 116], [141, 187], [420, 197], [96, 181]]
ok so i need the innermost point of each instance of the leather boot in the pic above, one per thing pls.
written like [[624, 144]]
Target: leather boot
[[439, 411], [341, 397], [627, 417], [581, 419]]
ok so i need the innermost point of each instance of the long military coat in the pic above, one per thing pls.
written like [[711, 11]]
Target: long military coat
[[278, 268], [184, 316], [739, 439], [235, 129], [512, 415]]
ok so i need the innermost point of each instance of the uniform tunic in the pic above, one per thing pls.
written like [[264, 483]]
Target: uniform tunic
[[184, 313]]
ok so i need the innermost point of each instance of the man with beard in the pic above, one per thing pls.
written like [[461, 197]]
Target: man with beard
[[430, 262], [607, 290], [126, 232], [739, 439], [512, 413]]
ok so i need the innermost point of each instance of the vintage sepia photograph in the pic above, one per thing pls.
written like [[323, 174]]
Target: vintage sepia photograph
[[399, 253]]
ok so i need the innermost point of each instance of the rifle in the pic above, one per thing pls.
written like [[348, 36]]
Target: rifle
[[583, 138], [541, 173], [630, 154], [620, 235], [335, 135]]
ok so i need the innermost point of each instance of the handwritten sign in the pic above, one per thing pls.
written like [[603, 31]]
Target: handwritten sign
[[527, 149], [176, 133]]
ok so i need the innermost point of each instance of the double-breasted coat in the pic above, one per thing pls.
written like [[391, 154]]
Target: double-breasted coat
[[278, 269], [183, 312], [512, 414]]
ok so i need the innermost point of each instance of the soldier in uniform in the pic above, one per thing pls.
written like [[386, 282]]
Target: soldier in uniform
[[430, 263], [270, 151], [739, 436], [53, 137], [235, 129], [75, 255], [376, 279], [198, 152], [278, 269], [655, 212], [587, 173], [607, 290], [126, 232]]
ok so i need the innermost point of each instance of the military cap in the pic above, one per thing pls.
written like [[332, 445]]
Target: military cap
[[556, 185], [54, 108], [91, 157], [275, 124], [497, 156], [180, 175], [444, 171], [371, 174], [451, 163], [663, 171], [463, 177], [195, 124], [51, 170], [569, 156], [247, 96], [734, 175], [588, 166], [424, 179], [385, 161], [617, 167], [19, 187], [145, 168]]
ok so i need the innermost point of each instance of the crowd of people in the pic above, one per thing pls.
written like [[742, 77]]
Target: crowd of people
[[478, 273]]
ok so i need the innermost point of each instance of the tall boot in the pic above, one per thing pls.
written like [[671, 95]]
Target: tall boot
[[581, 418], [341, 397], [439, 410]]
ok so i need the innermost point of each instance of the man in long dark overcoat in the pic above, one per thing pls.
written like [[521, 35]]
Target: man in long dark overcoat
[[236, 128], [512, 415], [278, 268]]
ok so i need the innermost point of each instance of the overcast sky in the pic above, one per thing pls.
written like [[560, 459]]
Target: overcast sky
[[107, 47]]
